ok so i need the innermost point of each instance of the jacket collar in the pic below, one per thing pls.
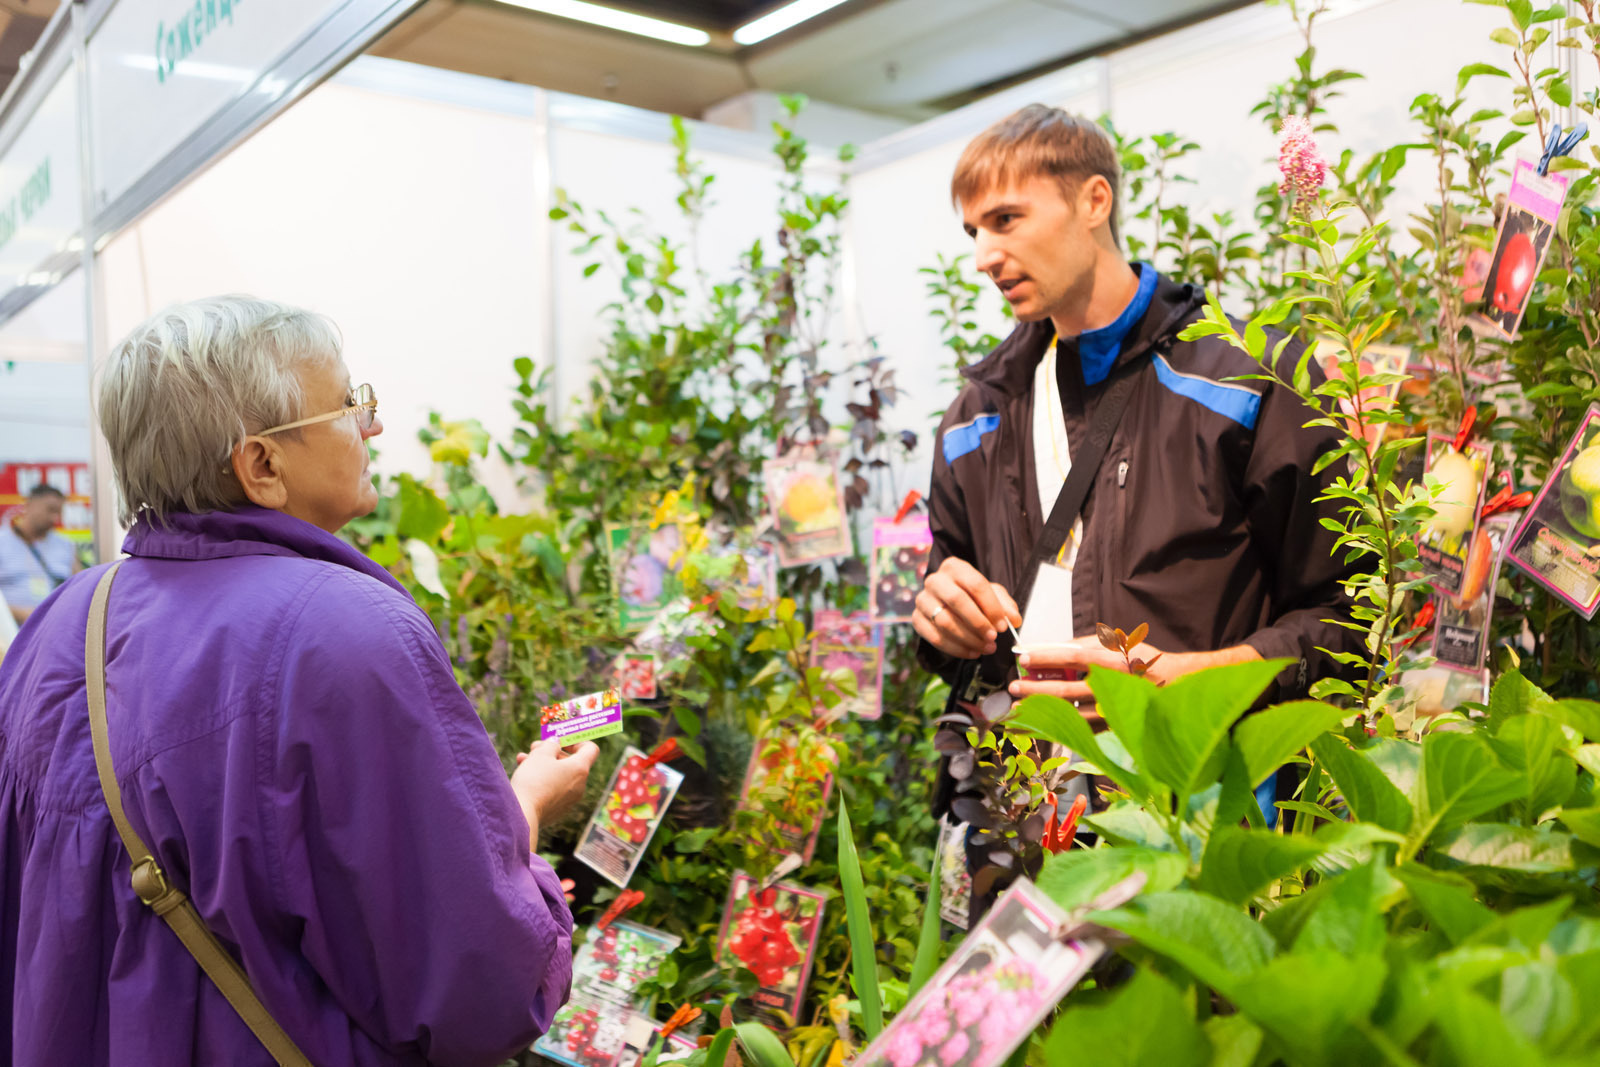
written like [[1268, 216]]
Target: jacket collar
[[1010, 367], [246, 531]]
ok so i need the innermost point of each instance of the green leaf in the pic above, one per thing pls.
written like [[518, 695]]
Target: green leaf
[[1535, 850], [1268, 738], [926, 960], [863, 953], [1582, 715], [1472, 70], [1501, 35], [762, 1046], [1057, 720], [1531, 746], [1187, 721], [1584, 824], [1216, 942], [1123, 699], [1371, 796], [1348, 918], [1145, 1022], [422, 514], [1449, 901], [1312, 1001], [1235, 1040], [717, 1054], [1461, 780], [1476, 1033], [1074, 878], [1239, 863]]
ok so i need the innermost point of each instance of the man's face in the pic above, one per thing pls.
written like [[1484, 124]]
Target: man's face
[[1032, 241], [41, 514]]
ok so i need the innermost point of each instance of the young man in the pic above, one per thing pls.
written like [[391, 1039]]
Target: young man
[[34, 556], [1202, 518]]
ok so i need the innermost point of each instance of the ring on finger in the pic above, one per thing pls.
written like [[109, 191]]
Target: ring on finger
[[934, 614]]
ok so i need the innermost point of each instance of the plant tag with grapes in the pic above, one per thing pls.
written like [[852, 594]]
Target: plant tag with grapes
[[899, 564], [1558, 540], [955, 881], [772, 933], [795, 795], [1007, 975], [585, 1033], [1532, 207], [635, 802], [582, 718], [1446, 539], [855, 644]]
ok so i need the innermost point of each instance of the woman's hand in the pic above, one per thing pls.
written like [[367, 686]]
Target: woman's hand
[[548, 781]]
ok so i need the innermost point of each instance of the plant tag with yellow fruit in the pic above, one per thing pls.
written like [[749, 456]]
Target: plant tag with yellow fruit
[[1446, 540], [1558, 541], [807, 507]]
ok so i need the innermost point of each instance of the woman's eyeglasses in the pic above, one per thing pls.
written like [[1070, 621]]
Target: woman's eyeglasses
[[363, 401]]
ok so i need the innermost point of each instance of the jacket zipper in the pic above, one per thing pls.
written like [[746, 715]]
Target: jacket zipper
[[1122, 475]]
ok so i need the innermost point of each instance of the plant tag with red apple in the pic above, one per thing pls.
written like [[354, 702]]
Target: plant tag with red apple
[[772, 933], [899, 564], [1461, 623], [1532, 207], [1558, 541], [619, 832], [1446, 539]]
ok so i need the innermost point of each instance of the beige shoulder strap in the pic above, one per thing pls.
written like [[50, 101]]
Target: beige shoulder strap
[[148, 880]]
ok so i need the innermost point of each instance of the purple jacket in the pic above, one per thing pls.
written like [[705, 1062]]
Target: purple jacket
[[292, 745]]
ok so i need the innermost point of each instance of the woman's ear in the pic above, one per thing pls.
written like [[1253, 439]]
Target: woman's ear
[[258, 465]]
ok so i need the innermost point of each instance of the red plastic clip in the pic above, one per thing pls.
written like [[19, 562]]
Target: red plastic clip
[[682, 1017], [666, 750], [1505, 500], [1420, 624], [1468, 420], [625, 900], [906, 505]]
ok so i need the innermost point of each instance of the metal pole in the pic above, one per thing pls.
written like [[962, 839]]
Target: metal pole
[[102, 504], [546, 305]]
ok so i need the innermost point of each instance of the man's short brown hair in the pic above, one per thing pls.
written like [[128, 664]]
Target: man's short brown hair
[[1039, 141]]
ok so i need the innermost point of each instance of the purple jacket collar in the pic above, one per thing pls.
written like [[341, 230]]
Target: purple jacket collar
[[246, 531]]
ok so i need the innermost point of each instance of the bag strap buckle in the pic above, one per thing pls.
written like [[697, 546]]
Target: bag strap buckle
[[150, 883]]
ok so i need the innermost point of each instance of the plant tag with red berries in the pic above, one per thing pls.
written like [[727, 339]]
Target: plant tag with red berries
[[1558, 540], [606, 973], [899, 564], [795, 796], [585, 1033], [635, 802], [582, 718], [773, 934], [855, 644], [1012, 969], [636, 675]]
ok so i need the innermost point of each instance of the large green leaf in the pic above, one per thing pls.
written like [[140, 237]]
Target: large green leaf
[[1216, 942], [1074, 878], [422, 514], [1461, 780], [1145, 1022], [1240, 863], [1476, 1033], [1536, 850], [1448, 901], [1314, 1002], [1514, 695], [927, 957], [1349, 916], [1584, 824], [863, 953], [1187, 721], [1539, 1001], [1123, 701], [1533, 747], [1235, 1040], [762, 1046], [1582, 715], [1057, 720], [1269, 738], [1368, 792]]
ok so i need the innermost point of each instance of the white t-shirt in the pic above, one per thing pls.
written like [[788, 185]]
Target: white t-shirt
[[1049, 616]]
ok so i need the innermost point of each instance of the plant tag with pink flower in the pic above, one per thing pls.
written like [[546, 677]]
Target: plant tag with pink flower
[[807, 505], [853, 644], [1009, 973], [645, 568], [620, 830], [582, 718], [636, 675], [899, 563], [1533, 205], [772, 933]]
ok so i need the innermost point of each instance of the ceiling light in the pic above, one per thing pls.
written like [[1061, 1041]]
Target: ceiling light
[[612, 19], [777, 21]]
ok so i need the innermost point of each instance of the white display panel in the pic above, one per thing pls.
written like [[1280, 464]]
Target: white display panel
[[160, 68], [41, 196], [44, 381]]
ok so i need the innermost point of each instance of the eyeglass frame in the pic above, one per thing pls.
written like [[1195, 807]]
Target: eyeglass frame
[[370, 403]]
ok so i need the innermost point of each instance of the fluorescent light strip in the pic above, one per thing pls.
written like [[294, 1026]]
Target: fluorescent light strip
[[612, 19], [775, 22]]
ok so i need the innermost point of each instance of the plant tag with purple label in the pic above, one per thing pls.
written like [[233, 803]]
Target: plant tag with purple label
[[582, 718]]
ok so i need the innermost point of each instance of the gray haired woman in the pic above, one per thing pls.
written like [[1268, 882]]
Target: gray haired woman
[[287, 738]]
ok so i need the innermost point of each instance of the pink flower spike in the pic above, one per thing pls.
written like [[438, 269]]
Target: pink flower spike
[[1300, 162], [955, 1050]]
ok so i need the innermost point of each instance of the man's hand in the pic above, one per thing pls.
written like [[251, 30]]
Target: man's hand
[[548, 782], [1081, 653], [960, 612]]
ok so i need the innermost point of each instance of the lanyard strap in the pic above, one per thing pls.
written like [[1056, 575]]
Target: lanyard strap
[[149, 882]]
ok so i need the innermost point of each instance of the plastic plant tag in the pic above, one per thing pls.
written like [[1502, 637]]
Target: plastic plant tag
[[1461, 623], [1532, 206], [1375, 359], [1558, 540], [899, 563], [636, 675], [613, 962], [582, 718], [853, 644], [620, 830], [1446, 539], [644, 571], [807, 506], [955, 881], [772, 932], [993, 992], [585, 1033], [1049, 617], [641, 1038], [797, 807]]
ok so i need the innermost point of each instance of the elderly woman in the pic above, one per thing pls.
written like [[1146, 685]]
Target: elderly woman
[[288, 739]]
